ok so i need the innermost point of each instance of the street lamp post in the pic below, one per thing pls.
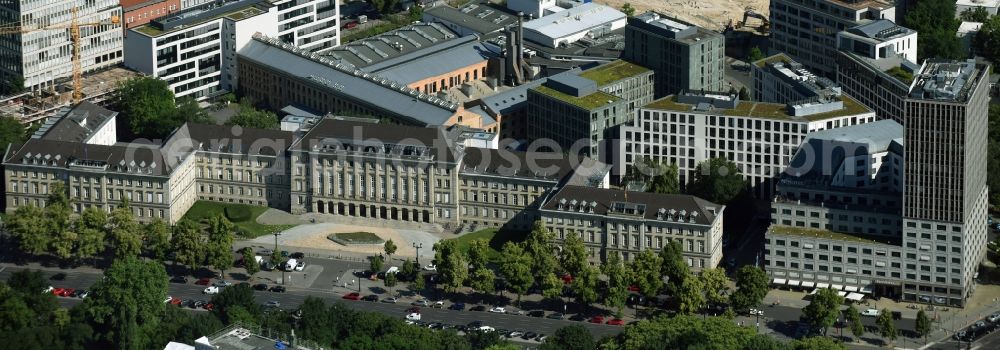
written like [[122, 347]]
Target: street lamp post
[[276, 234], [417, 246]]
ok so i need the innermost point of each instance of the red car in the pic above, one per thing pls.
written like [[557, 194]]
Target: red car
[[597, 319], [567, 278], [175, 301], [57, 291], [633, 288], [204, 281], [352, 296], [67, 292], [616, 322], [209, 306], [350, 25]]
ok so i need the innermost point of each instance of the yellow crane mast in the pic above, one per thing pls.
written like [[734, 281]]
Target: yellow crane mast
[[74, 33]]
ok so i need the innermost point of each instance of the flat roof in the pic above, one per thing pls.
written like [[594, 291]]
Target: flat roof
[[825, 234], [978, 3], [587, 102], [945, 80], [762, 109], [880, 30], [862, 4], [380, 94], [574, 20], [418, 66], [233, 9], [480, 17], [612, 72]]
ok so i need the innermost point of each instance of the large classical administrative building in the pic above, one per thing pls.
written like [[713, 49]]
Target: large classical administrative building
[[347, 167]]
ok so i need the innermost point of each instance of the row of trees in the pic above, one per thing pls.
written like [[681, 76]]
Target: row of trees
[[693, 332], [824, 310], [53, 230], [716, 179], [536, 262]]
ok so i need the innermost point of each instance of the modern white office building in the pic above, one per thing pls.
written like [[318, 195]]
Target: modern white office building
[[759, 137], [807, 30], [779, 79], [195, 49], [43, 57], [566, 27], [880, 39]]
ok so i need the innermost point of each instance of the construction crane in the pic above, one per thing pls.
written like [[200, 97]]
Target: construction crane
[[74, 33]]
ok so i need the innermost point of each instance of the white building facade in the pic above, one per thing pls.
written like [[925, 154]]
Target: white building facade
[[43, 57]]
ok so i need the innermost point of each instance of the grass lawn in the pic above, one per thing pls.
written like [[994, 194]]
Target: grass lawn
[[494, 236], [202, 210], [359, 237]]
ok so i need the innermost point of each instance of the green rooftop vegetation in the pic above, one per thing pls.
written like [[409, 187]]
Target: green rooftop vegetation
[[587, 102], [776, 58], [817, 233], [763, 110], [900, 74], [148, 29], [613, 72]]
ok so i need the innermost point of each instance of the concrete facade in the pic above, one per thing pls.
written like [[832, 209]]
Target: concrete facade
[[682, 55]]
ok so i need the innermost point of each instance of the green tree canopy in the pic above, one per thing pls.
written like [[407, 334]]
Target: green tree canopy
[[932, 19], [452, 264], [618, 281], [645, 273], [691, 296], [515, 266], [975, 14], [751, 287], [129, 302], [987, 43], [816, 343], [188, 244], [250, 262], [717, 180], [157, 239], [126, 238], [538, 245], [146, 102], [673, 267], [716, 285], [11, 131], [823, 309], [573, 337], [854, 317], [628, 10], [887, 327], [28, 225], [220, 243], [684, 332], [755, 55], [658, 177], [923, 323], [250, 117]]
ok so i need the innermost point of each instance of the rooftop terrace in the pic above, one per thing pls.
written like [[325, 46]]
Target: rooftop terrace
[[825, 234], [613, 72], [588, 102], [183, 20], [762, 109]]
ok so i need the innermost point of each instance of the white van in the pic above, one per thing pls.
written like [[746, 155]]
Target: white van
[[392, 270], [290, 264]]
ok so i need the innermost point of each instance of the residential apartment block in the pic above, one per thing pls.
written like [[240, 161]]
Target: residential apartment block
[[613, 221], [578, 111], [779, 79], [195, 50], [806, 30], [682, 55], [760, 138], [44, 57], [912, 221]]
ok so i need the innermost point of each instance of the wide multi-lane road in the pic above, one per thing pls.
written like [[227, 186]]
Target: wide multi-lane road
[[294, 297]]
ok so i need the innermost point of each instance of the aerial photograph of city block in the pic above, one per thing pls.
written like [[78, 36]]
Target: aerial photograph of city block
[[500, 174]]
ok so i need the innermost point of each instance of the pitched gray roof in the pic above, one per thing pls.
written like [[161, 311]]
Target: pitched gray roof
[[534, 165], [76, 124], [418, 66], [332, 131], [133, 158], [648, 203], [371, 91], [392, 45]]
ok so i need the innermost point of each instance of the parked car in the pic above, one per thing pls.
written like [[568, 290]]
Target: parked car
[[536, 313], [529, 335], [260, 286], [413, 316], [265, 252], [498, 309], [515, 334], [370, 297], [352, 296], [457, 306], [222, 283], [67, 292], [211, 290], [430, 267], [82, 294], [871, 312], [578, 318], [597, 319], [297, 255], [755, 312], [555, 316], [421, 302], [350, 25], [478, 308], [47, 290], [176, 301], [301, 265], [277, 289], [994, 317], [169, 299], [203, 281], [391, 300], [56, 291], [179, 279], [438, 304], [272, 303], [200, 304], [413, 309], [208, 306], [616, 322]]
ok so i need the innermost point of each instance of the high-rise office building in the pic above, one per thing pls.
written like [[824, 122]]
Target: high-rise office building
[[806, 30], [43, 57], [682, 56], [912, 219]]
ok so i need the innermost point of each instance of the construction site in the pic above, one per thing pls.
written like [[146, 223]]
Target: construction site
[[34, 106]]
